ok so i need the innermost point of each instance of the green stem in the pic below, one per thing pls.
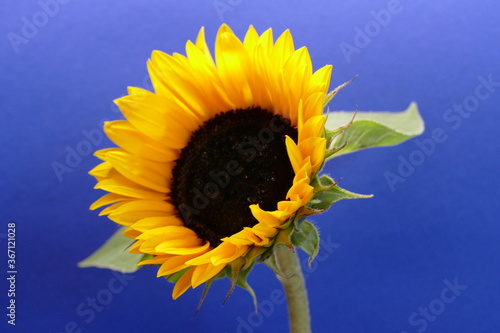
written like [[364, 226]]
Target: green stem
[[295, 290]]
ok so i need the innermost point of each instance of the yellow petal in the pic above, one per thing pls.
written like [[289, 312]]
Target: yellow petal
[[266, 40], [153, 175], [269, 219], [226, 252], [175, 74], [313, 106], [120, 185], [320, 80], [126, 136], [182, 284], [174, 264], [101, 154], [131, 233], [208, 80], [257, 236], [251, 38], [283, 49], [101, 171], [135, 247], [263, 231], [148, 113], [207, 257], [202, 45], [304, 174], [167, 233], [244, 237], [315, 148], [156, 222], [108, 210], [204, 273], [313, 127], [189, 249], [133, 211], [109, 199], [232, 63], [294, 154], [303, 190], [300, 64]]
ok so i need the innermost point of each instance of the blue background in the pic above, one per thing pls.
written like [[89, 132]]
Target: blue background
[[388, 256]]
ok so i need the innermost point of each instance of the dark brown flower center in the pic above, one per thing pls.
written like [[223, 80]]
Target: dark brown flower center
[[233, 160]]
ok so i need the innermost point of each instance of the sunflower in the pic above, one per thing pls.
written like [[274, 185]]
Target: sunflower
[[215, 164]]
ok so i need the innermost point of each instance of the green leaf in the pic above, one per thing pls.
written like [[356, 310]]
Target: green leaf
[[307, 239], [242, 282], [372, 129], [324, 199], [114, 255]]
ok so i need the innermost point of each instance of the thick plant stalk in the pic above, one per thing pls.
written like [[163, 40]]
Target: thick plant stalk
[[295, 290]]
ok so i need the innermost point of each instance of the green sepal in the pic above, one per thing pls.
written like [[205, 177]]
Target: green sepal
[[113, 254], [226, 272], [147, 256], [299, 219], [284, 237], [270, 262], [242, 282], [238, 277], [324, 199], [331, 137], [334, 92], [253, 254], [370, 129], [306, 237], [308, 211], [267, 253], [332, 151], [208, 284], [285, 225], [233, 271], [325, 183], [328, 192]]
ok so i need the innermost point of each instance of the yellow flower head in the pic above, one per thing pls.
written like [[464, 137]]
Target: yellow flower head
[[215, 163]]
